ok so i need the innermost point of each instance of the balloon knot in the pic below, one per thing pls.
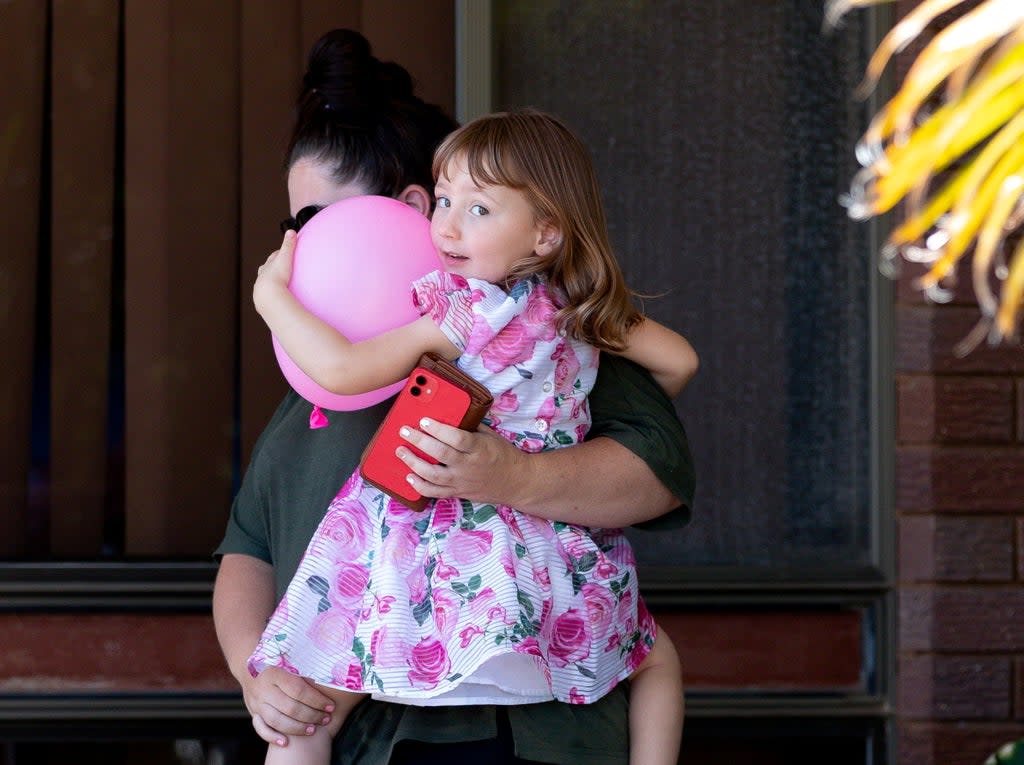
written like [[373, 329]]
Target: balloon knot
[[317, 419]]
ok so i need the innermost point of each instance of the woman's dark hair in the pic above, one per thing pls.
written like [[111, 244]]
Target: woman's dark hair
[[359, 115]]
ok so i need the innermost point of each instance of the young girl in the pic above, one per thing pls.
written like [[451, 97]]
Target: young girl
[[475, 604]]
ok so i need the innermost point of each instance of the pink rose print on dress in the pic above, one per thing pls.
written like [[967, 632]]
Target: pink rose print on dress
[[601, 607], [349, 584], [429, 663], [466, 547], [350, 677], [529, 646], [388, 651], [446, 512], [332, 628], [570, 639], [348, 529], [401, 547], [539, 314], [434, 297], [638, 654], [506, 402], [513, 345], [575, 697], [446, 613], [466, 635], [416, 582], [567, 367]]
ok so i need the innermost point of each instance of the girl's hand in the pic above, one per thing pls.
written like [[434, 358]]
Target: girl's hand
[[275, 273], [480, 466], [283, 704]]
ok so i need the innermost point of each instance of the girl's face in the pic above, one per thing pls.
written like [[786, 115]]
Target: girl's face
[[480, 232]]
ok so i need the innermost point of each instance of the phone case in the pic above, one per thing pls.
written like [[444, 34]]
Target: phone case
[[438, 389]]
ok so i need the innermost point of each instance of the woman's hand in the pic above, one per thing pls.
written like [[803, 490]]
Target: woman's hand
[[275, 273], [283, 704], [480, 466]]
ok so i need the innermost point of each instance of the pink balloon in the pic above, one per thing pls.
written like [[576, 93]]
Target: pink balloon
[[355, 262]]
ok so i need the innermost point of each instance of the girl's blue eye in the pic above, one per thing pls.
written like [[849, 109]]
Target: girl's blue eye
[[443, 202], [478, 210]]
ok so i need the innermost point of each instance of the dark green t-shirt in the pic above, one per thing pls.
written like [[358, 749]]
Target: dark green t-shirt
[[295, 472]]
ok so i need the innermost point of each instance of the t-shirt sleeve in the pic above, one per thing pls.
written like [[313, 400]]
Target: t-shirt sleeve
[[629, 407], [247, 531]]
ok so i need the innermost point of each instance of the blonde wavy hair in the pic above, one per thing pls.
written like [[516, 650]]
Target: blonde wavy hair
[[535, 153]]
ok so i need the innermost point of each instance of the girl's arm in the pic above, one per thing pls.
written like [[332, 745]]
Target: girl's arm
[[667, 355], [323, 353]]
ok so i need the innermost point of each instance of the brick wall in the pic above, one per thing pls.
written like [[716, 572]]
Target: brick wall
[[960, 510]]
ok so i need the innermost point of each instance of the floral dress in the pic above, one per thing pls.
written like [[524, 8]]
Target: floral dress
[[468, 602]]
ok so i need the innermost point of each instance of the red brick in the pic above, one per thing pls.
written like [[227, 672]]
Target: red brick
[[956, 549], [955, 409], [111, 653], [927, 336], [954, 687], [960, 479], [961, 619], [768, 650], [951, 743]]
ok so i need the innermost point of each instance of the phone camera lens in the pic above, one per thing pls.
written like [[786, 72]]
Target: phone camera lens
[[421, 380], [414, 390]]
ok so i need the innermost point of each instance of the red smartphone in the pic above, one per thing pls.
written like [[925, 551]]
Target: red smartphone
[[436, 389]]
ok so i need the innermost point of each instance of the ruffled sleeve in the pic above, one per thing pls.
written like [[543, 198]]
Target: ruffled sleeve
[[447, 299]]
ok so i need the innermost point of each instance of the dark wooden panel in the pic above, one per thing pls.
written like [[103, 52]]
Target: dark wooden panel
[[182, 155], [111, 653], [21, 133], [768, 651], [84, 87], [424, 43], [271, 62]]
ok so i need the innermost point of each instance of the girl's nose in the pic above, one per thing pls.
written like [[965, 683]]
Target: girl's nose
[[447, 228]]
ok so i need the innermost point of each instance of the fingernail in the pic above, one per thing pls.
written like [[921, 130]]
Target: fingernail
[[311, 729], [408, 478], [425, 422], [404, 432], [280, 742], [327, 720], [329, 708]]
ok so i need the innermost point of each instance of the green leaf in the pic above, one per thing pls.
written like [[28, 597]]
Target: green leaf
[[526, 603], [422, 610], [485, 513], [318, 585], [585, 672], [474, 582], [358, 649], [460, 588], [564, 438], [586, 561], [520, 551]]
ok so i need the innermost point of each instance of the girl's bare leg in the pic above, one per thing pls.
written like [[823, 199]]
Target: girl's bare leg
[[315, 749], [656, 706]]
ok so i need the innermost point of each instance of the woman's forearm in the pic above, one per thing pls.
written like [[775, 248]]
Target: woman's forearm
[[597, 483], [243, 599]]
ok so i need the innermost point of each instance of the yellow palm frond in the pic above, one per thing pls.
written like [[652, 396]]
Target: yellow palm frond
[[949, 145]]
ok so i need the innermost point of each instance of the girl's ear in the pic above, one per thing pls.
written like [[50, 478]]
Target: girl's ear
[[417, 198], [549, 239]]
